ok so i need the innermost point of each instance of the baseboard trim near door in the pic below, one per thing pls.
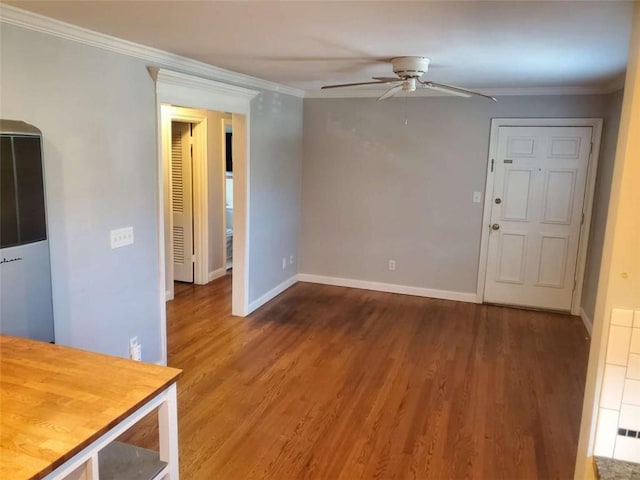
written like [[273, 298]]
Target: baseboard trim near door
[[390, 288], [220, 272], [274, 292], [588, 324]]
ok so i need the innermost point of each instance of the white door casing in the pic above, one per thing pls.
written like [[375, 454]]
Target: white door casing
[[182, 201], [536, 212], [175, 88]]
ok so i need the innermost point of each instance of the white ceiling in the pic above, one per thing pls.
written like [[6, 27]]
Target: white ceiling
[[305, 44]]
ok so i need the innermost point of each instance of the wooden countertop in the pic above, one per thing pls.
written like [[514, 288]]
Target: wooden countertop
[[54, 401]]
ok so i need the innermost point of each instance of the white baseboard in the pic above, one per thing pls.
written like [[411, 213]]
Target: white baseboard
[[588, 324], [220, 272], [390, 288], [274, 292]]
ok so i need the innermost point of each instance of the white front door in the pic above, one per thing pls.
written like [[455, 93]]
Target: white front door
[[182, 201], [536, 215]]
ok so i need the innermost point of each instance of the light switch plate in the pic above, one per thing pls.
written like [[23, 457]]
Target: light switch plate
[[477, 197], [121, 237]]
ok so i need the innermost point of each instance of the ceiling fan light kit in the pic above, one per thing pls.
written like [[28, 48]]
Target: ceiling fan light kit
[[409, 71]]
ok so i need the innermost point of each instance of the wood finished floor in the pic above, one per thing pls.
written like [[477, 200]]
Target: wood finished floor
[[334, 383]]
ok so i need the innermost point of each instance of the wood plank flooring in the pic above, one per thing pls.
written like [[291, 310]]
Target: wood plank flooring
[[334, 383]]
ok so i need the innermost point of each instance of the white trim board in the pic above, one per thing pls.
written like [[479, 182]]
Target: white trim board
[[587, 208], [389, 288], [39, 23], [588, 324], [220, 272], [274, 292]]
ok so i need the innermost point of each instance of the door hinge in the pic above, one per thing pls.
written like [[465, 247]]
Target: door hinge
[[492, 161]]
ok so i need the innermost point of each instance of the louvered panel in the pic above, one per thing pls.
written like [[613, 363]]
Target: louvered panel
[[177, 187], [178, 244]]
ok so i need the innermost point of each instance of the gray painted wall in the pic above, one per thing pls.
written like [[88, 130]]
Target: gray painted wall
[[601, 202], [96, 110], [375, 188], [276, 162]]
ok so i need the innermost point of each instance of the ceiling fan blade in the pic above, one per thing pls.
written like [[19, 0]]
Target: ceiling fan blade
[[388, 79], [352, 84], [450, 89], [391, 92]]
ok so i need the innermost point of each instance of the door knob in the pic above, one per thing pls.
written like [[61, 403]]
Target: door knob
[[495, 226]]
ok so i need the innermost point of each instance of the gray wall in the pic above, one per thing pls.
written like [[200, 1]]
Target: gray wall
[[96, 110], [375, 188], [601, 202], [276, 162]]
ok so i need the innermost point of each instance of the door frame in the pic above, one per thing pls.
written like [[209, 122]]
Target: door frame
[[224, 123], [587, 206], [180, 89], [200, 192]]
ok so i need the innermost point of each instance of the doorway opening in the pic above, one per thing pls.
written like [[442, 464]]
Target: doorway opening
[[194, 180], [195, 189], [176, 88], [227, 156]]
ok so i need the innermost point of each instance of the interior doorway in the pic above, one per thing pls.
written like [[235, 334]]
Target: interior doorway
[[195, 189], [176, 88], [227, 156]]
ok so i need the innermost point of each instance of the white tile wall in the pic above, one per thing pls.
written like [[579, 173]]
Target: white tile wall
[[618, 347], [631, 394], [606, 433], [629, 417], [633, 367], [635, 341], [612, 386], [622, 317], [620, 396], [627, 449]]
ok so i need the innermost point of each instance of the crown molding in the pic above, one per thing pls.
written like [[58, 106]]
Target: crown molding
[[160, 58], [163, 76]]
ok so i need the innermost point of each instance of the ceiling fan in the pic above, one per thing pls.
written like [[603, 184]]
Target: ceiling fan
[[408, 71]]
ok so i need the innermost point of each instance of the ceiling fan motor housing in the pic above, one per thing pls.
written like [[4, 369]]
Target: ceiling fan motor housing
[[410, 67]]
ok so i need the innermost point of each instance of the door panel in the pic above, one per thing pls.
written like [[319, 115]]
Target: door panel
[[182, 202], [540, 176], [516, 194], [513, 252]]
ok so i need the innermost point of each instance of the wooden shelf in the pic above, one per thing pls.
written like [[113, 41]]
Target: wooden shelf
[[122, 461]]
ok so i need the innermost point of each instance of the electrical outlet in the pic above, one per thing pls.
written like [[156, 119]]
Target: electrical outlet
[[135, 349], [284, 262], [477, 197], [392, 265], [290, 259], [121, 237]]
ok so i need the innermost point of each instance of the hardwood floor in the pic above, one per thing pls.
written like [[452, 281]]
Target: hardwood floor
[[336, 383]]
